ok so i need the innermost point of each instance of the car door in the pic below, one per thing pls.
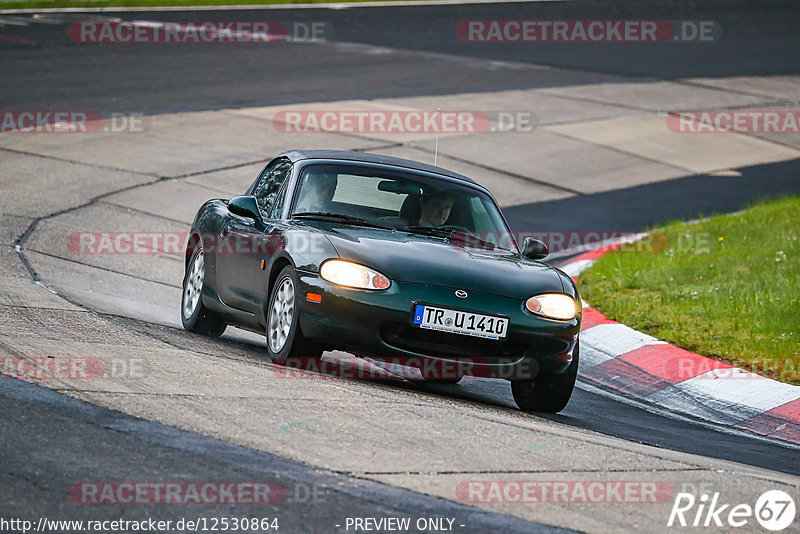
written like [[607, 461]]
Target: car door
[[245, 242]]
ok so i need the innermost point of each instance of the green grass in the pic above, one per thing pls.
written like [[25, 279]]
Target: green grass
[[727, 288], [38, 4]]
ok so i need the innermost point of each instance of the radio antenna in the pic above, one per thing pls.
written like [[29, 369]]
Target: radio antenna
[[436, 150]]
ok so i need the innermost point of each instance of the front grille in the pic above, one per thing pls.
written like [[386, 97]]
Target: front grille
[[448, 345]]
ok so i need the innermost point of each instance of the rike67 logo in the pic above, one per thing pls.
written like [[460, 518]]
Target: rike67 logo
[[774, 510]]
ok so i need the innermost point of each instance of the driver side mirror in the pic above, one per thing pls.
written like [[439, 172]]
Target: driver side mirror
[[245, 206], [534, 249]]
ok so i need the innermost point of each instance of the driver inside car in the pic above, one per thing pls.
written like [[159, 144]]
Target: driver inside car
[[317, 192], [434, 209]]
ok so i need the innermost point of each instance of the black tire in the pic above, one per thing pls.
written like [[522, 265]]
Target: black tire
[[195, 317], [294, 344], [443, 380], [549, 393]]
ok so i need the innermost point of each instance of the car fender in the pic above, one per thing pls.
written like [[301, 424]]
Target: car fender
[[568, 284], [303, 248], [308, 248], [205, 229]]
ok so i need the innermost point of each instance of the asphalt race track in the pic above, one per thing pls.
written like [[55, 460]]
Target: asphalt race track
[[758, 40], [216, 410]]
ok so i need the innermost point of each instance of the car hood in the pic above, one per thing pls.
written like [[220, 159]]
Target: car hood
[[406, 257]]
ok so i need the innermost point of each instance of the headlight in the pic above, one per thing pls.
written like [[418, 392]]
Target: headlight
[[553, 305], [346, 273]]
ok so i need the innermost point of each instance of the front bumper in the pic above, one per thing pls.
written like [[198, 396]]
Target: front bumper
[[377, 324]]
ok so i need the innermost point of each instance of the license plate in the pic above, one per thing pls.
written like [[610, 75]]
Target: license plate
[[460, 322]]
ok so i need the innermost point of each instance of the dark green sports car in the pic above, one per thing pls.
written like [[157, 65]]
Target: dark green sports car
[[388, 259]]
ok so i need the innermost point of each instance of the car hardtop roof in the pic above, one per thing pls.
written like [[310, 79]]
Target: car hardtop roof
[[366, 157]]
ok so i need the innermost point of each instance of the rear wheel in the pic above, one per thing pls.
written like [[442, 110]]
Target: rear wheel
[[548, 393], [284, 338], [195, 317]]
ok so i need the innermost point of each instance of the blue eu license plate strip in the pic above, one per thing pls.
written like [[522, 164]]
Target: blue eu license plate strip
[[418, 312]]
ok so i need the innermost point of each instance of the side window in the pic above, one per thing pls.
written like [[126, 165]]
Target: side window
[[276, 210], [270, 181]]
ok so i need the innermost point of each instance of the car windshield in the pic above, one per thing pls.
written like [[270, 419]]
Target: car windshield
[[401, 200]]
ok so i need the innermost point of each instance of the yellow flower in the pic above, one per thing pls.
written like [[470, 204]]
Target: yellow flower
[[720, 239]]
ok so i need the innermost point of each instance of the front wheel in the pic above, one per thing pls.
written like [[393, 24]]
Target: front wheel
[[284, 338], [195, 317], [548, 393], [451, 380]]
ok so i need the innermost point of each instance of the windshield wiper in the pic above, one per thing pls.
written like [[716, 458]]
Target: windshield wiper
[[339, 217], [461, 236], [429, 230]]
